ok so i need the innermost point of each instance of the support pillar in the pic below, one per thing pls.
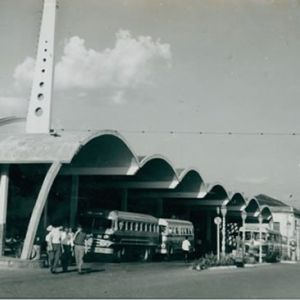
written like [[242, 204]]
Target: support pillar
[[224, 212], [74, 200], [38, 209], [124, 200], [260, 219], [4, 182]]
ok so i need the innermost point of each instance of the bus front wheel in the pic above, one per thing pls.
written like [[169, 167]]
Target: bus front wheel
[[146, 255]]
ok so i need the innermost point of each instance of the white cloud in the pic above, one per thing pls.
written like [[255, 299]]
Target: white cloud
[[23, 73], [129, 63], [12, 106]]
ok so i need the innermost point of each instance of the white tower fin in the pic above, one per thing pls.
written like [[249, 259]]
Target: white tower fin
[[39, 111]]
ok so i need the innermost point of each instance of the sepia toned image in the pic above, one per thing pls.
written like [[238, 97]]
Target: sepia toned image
[[149, 149]]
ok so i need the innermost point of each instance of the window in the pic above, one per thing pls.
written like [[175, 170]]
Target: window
[[121, 225], [102, 224], [136, 226]]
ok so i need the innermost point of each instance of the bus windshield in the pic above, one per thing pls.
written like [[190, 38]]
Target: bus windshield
[[102, 224], [91, 223]]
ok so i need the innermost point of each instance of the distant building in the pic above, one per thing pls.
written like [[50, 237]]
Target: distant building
[[286, 219]]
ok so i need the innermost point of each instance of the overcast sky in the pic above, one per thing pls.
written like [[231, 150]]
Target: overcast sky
[[160, 66]]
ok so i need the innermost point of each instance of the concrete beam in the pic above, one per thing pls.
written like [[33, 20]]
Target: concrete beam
[[69, 170], [38, 209]]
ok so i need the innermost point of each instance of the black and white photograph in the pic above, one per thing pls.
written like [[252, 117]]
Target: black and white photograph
[[150, 149]]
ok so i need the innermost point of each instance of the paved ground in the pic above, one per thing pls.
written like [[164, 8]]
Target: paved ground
[[153, 280]]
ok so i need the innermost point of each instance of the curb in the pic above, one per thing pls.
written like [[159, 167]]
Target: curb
[[16, 263], [292, 262]]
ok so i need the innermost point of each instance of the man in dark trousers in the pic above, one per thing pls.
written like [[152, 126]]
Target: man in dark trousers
[[80, 247]]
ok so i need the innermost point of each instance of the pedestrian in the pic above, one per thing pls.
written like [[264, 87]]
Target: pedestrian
[[80, 247], [55, 240], [186, 246], [67, 245], [49, 247]]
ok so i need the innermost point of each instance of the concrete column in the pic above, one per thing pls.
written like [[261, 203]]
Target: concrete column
[[45, 216], [124, 200], [160, 207], [4, 181], [74, 199], [38, 210], [260, 219], [224, 212]]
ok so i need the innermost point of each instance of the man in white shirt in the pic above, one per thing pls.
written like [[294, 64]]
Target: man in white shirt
[[49, 246], [186, 246], [55, 242]]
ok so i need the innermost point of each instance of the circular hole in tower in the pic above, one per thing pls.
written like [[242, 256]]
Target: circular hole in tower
[[40, 96], [45, 50], [41, 84], [43, 70], [44, 59], [39, 111]]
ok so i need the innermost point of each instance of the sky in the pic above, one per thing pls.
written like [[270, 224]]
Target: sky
[[161, 71]]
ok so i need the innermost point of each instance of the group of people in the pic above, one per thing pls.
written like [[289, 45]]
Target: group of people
[[63, 244]]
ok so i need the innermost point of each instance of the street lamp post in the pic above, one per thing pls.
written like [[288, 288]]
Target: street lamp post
[[244, 216], [288, 225], [298, 241], [260, 219], [224, 212]]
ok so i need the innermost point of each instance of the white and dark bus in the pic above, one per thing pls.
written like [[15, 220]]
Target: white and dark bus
[[274, 245], [121, 233], [172, 234]]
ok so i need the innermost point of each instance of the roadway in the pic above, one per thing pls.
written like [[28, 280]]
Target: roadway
[[153, 280]]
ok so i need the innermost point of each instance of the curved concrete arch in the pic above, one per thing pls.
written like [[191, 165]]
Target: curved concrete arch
[[190, 180], [103, 153], [266, 213], [237, 201], [217, 191], [10, 120], [157, 168], [252, 208]]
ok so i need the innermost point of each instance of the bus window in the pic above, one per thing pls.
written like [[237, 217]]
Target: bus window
[[135, 226], [102, 224], [248, 235], [125, 226], [130, 226], [162, 229], [121, 225]]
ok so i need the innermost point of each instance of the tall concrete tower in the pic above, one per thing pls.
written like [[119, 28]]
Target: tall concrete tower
[[39, 110]]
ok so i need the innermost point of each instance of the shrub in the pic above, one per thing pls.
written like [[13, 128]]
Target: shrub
[[211, 260]]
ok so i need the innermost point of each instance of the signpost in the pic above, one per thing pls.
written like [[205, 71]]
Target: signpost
[[218, 221]]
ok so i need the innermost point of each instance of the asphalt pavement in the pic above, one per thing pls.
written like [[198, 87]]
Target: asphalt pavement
[[153, 280]]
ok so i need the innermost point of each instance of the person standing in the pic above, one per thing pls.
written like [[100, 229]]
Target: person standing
[[49, 248], [80, 247], [55, 241], [67, 245], [186, 246]]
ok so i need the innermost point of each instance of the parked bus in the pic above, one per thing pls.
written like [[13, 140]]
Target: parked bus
[[172, 234], [121, 233], [274, 245]]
